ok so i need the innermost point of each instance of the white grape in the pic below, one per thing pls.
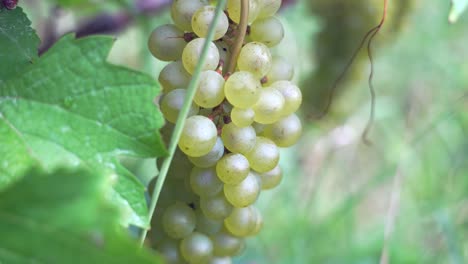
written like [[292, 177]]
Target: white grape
[[255, 57], [202, 19], [192, 52], [166, 43], [268, 31]]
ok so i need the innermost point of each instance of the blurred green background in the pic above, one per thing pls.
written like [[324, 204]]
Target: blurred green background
[[402, 199]]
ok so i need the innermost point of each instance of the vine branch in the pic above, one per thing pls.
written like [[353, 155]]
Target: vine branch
[[239, 41], [192, 88], [368, 38], [374, 31]]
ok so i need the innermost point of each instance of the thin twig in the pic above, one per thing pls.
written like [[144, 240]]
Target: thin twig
[[239, 41], [370, 122], [192, 88]]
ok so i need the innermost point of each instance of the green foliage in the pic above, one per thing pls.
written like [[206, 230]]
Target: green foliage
[[18, 41], [63, 217], [72, 107], [458, 7]]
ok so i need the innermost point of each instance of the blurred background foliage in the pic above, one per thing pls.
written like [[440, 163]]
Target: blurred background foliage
[[403, 199]]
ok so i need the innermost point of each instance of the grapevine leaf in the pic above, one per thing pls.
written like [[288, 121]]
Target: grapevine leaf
[[63, 217], [72, 107], [18, 43], [458, 7]]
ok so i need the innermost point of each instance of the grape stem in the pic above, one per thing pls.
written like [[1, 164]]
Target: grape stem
[[192, 88], [239, 41]]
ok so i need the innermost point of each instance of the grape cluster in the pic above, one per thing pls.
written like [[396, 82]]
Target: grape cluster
[[229, 148]]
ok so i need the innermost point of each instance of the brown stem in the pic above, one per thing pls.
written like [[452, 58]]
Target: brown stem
[[239, 41]]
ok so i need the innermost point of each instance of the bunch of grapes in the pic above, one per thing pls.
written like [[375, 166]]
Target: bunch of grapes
[[229, 148]]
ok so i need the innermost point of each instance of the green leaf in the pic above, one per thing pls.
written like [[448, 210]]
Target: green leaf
[[63, 217], [458, 7], [72, 107], [18, 43]]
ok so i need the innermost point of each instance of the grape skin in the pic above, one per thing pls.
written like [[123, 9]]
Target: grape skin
[[234, 9], [179, 220], [172, 102], [264, 156], [268, 31], [241, 222], [166, 43], [243, 194], [192, 52], [198, 136], [238, 139], [292, 96], [269, 107], [210, 91], [232, 168], [183, 10], [286, 132], [204, 182], [210, 159], [174, 76], [280, 70], [202, 19], [242, 89], [255, 57], [196, 248], [242, 117], [268, 7]]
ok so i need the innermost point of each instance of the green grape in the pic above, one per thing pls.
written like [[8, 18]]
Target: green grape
[[258, 127], [268, 31], [183, 168], [225, 244], [258, 222], [280, 70], [172, 102], [204, 182], [272, 178], [174, 76], [216, 207], [202, 19], [210, 159], [264, 156], [242, 89], [182, 12], [210, 91], [243, 194], [166, 43], [241, 222], [198, 136], [255, 57], [268, 7], [179, 220], [292, 96], [169, 250], [174, 190], [238, 139], [219, 260], [232, 168], [234, 9], [269, 107], [192, 52], [286, 132], [242, 117], [206, 225], [196, 248]]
